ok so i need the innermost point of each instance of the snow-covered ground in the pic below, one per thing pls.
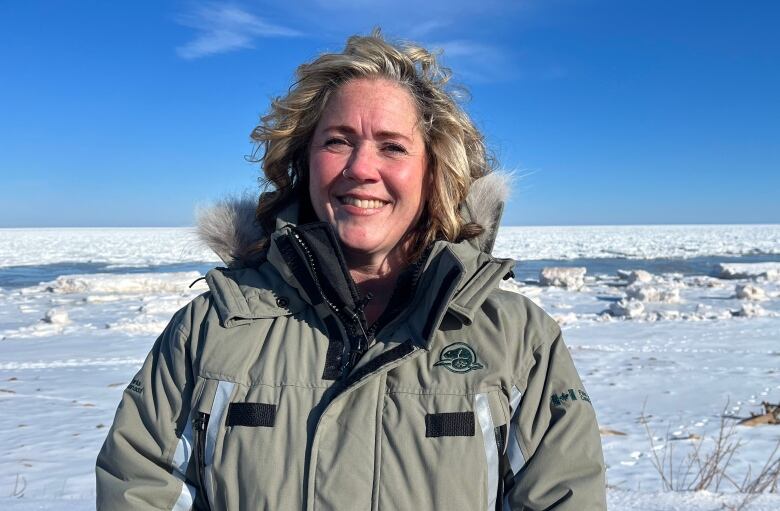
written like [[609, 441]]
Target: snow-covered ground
[[656, 327]]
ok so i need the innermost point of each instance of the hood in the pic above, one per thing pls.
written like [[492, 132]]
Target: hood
[[230, 230]]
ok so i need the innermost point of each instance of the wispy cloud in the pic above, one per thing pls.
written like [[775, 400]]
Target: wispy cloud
[[425, 28], [477, 61], [464, 48], [224, 28]]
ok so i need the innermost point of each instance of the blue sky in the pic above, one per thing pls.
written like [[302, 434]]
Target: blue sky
[[608, 111]]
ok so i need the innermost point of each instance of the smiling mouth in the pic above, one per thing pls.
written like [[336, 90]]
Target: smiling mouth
[[362, 203]]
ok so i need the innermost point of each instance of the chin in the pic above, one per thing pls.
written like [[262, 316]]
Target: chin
[[359, 245]]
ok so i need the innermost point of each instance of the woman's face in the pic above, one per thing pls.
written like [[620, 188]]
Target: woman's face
[[368, 165]]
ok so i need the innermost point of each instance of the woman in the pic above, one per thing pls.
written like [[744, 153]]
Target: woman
[[357, 352]]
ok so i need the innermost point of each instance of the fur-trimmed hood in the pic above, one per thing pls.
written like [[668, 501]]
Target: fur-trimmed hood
[[229, 227]]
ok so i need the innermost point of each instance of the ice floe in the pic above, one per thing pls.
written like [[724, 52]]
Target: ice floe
[[750, 310], [116, 246], [750, 292], [130, 283], [627, 308], [571, 278], [635, 276], [768, 271], [644, 293], [56, 316], [636, 241], [565, 319]]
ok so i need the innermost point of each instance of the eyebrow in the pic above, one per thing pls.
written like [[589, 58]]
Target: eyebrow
[[342, 128]]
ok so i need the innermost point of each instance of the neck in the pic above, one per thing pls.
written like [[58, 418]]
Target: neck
[[376, 276]]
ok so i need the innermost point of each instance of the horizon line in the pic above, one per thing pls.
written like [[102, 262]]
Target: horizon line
[[680, 224]]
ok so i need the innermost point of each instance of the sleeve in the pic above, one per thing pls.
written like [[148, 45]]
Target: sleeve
[[143, 462], [554, 446]]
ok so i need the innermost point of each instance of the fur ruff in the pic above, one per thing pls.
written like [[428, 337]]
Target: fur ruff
[[229, 227]]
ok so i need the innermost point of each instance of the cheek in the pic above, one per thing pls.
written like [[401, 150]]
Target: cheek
[[418, 187], [323, 168]]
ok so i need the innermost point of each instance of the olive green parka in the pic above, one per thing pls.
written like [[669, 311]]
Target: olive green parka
[[264, 393]]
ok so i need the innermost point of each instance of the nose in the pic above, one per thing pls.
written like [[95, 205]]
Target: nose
[[363, 166]]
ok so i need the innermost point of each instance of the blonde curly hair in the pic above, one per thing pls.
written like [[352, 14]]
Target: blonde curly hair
[[456, 149]]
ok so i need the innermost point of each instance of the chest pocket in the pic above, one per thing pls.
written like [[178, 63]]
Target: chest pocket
[[445, 450], [230, 420]]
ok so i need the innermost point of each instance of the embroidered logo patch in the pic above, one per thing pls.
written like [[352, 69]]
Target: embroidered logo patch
[[459, 358], [136, 386], [569, 395]]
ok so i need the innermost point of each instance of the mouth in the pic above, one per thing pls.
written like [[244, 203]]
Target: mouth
[[362, 203]]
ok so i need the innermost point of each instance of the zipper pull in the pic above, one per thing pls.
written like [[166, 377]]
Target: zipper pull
[[199, 423], [354, 356], [364, 301]]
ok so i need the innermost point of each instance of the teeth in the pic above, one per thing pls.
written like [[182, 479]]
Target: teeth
[[361, 203]]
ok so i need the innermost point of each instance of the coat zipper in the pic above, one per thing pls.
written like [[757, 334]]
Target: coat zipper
[[356, 349], [199, 425]]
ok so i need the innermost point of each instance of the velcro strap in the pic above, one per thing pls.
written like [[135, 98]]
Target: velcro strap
[[251, 414], [449, 424]]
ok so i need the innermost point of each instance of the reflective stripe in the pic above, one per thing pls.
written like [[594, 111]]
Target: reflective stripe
[[515, 455], [482, 407], [186, 498], [183, 453], [514, 400], [181, 460], [516, 458], [218, 407]]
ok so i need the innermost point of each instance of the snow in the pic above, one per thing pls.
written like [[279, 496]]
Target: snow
[[673, 346], [621, 500]]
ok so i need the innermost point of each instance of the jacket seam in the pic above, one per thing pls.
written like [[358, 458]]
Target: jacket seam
[[536, 348], [418, 392], [232, 379], [237, 297], [221, 377], [181, 333], [285, 384], [380, 431], [524, 449], [554, 332]]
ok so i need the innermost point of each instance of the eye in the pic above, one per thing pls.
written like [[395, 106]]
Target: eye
[[335, 141], [392, 147]]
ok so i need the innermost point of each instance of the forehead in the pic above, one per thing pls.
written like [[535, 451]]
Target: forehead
[[380, 102]]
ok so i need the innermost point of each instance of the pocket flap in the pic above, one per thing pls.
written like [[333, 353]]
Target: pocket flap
[[449, 424], [251, 414]]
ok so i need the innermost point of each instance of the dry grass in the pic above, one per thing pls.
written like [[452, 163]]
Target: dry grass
[[709, 468], [19, 486]]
